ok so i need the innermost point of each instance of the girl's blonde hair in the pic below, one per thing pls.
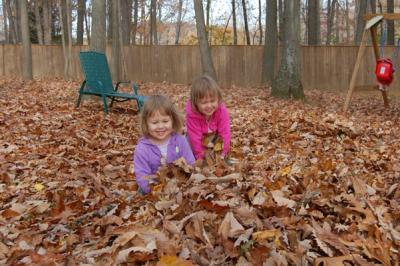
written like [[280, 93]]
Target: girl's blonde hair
[[204, 86], [163, 105]]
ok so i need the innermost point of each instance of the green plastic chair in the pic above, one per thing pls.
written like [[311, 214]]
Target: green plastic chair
[[98, 81]]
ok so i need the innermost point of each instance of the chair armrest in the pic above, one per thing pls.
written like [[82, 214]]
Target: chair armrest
[[83, 85], [135, 88], [121, 82]]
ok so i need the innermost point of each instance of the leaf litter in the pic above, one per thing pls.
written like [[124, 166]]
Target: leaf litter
[[305, 184]]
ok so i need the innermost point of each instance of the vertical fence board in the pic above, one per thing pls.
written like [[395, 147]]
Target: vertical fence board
[[2, 60], [323, 67], [12, 60]]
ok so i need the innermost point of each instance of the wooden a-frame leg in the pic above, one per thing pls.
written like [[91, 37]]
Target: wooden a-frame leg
[[360, 54], [377, 56]]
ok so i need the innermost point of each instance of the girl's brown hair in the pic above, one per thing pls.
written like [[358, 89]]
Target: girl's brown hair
[[163, 105], [204, 86]]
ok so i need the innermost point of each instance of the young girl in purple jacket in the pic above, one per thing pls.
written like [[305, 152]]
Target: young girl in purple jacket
[[206, 113], [161, 143]]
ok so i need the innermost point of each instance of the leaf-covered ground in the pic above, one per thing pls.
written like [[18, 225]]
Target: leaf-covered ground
[[311, 186]]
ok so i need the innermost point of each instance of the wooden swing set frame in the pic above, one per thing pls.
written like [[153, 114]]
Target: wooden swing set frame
[[373, 20]]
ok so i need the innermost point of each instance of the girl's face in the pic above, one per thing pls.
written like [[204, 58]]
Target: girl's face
[[208, 105], [160, 127]]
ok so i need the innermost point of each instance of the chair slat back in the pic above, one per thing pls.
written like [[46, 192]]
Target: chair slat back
[[96, 71]]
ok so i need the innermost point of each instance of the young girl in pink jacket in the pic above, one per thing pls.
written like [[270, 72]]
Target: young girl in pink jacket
[[206, 113]]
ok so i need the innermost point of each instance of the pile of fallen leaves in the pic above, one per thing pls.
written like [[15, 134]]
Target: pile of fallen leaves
[[309, 185]]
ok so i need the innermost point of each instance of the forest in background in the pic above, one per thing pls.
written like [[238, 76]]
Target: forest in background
[[169, 22]]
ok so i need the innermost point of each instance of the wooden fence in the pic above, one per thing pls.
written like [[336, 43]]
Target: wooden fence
[[323, 67]]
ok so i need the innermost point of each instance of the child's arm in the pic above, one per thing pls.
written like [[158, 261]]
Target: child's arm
[[224, 128], [186, 151], [195, 135], [142, 169]]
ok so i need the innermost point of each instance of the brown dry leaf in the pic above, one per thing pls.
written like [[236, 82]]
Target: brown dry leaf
[[379, 251], [360, 188], [173, 261], [248, 216], [213, 207], [230, 227], [335, 261], [200, 231], [181, 162], [329, 238], [273, 234], [125, 254], [281, 200], [68, 195], [3, 250], [9, 213]]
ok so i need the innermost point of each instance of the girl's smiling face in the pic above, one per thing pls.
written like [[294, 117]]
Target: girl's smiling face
[[208, 105], [160, 127]]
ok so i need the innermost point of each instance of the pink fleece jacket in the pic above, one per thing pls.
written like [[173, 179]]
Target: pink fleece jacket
[[197, 127]]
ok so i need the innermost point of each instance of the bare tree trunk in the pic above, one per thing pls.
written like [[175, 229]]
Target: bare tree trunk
[[271, 42], [208, 26], [79, 25], [178, 22], [69, 36], [126, 16], [153, 21], [64, 20], [63, 41], [123, 69], [337, 24], [347, 21], [38, 21], [205, 52], [115, 62], [313, 22], [362, 8], [390, 23], [234, 22], [288, 83], [380, 11], [135, 20], [6, 34], [208, 7], [47, 21], [304, 14], [281, 31], [98, 40], [373, 6], [143, 23], [109, 19], [225, 29], [331, 15], [13, 27], [259, 22], [87, 26], [18, 21], [26, 55], [246, 26], [66, 34]]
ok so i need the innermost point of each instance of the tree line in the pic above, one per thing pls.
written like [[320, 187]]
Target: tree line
[[131, 22], [153, 22]]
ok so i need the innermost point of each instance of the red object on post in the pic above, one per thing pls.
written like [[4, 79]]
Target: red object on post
[[384, 71]]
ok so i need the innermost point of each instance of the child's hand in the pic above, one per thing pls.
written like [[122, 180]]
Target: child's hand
[[199, 163], [150, 178]]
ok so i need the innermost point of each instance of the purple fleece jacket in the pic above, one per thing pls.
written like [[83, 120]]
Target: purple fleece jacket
[[147, 156]]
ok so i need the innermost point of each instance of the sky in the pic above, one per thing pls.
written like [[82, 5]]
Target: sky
[[221, 10]]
